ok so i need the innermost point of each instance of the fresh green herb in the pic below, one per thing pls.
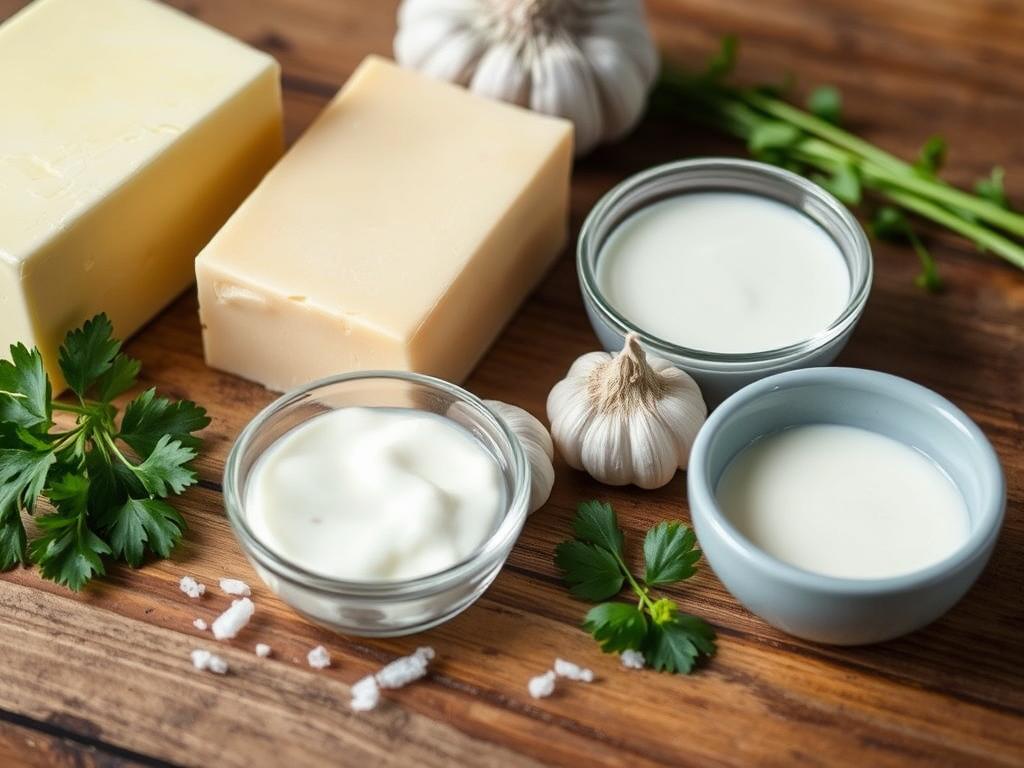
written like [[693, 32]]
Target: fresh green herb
[[106, 483], [593, 564], [812, 143]]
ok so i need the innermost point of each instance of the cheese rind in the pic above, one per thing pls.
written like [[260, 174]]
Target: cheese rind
[[401, 231], [130, 132]]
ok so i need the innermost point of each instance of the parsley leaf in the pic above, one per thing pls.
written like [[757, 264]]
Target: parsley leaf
[[616, 626], [827, 103], [149, 418], [932, 156], [993, 189], [669, 554], [97, 487], [24, 389], [593, 566], [592, 572], [87, 353], [142, 523], [596, 523]]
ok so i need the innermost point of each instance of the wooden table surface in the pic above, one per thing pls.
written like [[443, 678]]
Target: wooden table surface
[[104, 678]]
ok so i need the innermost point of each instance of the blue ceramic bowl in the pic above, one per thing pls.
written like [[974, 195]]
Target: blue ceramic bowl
[[827, 609]]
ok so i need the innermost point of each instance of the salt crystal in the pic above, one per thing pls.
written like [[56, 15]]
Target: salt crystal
[[318, 658], [572, 671], [200, 624], [406, 669], [191, 587], [235, 587], [230, 623], [365, 694], [542, 686], [205, 660], [262, 650], [632, 659]]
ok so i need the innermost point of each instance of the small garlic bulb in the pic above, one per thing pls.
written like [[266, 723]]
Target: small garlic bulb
[[536, 442], [590, 61], [626, 418]]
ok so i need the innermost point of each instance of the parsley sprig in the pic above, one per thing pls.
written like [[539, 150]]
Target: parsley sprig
[[106, 483], [594, 566]]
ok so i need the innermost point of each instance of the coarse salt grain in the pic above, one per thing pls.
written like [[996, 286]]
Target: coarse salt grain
[[262, 650], [191, 587], [200, 624], [632, 659], [542, 686], [204, 660], [318, 658], [365, 694], [230, 623], [572, 671], [235, 587], [406, 669]]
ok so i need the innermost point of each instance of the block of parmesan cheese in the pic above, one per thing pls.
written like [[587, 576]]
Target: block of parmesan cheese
[[128, 134], [401, 231]]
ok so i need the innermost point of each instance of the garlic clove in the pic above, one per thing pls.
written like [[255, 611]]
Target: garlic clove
[[620, 83], [501, 74], [563, 86], [454, 61], [570, 416], [607, 454], [652, 451], [415, 43], [536, 443]]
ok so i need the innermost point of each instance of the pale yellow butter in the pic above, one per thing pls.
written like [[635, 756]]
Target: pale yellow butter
[[128, 134], [401, 231]]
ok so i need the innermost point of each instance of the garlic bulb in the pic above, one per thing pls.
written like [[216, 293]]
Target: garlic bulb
[[590, 61], [536, 442], [626, 418]]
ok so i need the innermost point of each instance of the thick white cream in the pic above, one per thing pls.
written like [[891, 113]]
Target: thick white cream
[[724, 272], [843, 501], [375, 494]]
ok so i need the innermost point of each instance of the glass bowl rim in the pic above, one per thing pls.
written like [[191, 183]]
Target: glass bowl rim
[[692, 356], [494, 548]]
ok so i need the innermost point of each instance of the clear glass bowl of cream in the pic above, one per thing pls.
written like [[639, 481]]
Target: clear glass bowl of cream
[[377, 503], [732, 270]]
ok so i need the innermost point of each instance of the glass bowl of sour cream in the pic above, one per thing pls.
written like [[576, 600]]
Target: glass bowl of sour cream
[[377, 503], [844, 506], [731, 269]]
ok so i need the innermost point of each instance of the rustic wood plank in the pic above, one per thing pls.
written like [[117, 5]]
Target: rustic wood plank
[[30, 747], [952, 694]]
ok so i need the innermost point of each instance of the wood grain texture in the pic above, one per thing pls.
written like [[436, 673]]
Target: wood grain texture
[[110, 666]]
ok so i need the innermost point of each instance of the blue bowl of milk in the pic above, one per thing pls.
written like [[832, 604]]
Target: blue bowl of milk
[[844, 506]]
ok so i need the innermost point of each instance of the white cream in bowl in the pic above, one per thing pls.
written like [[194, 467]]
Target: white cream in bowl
[[375, 494], [724, 272], [843, 501]]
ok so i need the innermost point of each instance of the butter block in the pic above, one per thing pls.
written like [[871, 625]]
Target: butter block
[[128, 134], [401, 231]]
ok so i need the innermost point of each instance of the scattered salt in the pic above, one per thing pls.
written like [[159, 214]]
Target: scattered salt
[[262, 650], [318, 658], [200, 624], [632, 659], [230, 623], [406, 669], [235, 587], [542, 686], [365, 694], [572, 671], [191, 587], [399, 673], [205, 660]]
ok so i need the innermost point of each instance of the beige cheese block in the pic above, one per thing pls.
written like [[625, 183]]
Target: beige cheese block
[[128, 134], [400, 232]]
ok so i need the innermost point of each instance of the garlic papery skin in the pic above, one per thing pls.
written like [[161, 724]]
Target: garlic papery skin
[[590, 61], [537, 445], [626, 418]]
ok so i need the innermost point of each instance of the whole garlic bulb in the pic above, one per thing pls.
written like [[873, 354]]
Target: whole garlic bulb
[[536, 442], [590, 61], [626, 418]]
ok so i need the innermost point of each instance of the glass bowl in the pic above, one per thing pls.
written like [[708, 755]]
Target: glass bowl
[[380, 608], [721, 374]]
